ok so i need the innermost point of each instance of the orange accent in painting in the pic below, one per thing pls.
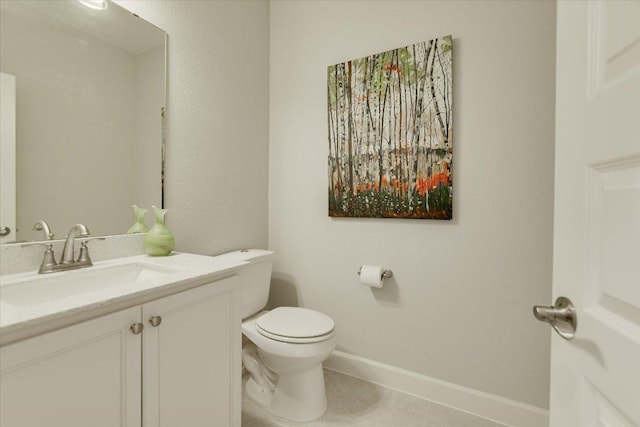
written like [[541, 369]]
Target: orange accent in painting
[[393, 67], [425, 184]]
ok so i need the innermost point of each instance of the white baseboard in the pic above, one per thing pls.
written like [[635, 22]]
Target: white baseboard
[[481, 404]]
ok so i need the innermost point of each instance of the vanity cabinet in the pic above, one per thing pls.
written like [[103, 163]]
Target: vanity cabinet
[[83, 375], [181, 369], [191, 366]]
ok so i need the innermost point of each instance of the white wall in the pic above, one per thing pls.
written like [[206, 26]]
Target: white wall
[[459, 305], [217, 121]]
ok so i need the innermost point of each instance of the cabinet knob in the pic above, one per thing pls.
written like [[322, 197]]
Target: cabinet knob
[[136, 328], [155, 320]]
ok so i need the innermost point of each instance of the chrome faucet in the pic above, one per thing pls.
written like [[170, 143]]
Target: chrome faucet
[[67, 261], [68, 252]]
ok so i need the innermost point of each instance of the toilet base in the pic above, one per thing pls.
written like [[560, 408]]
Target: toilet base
[[299, 396]]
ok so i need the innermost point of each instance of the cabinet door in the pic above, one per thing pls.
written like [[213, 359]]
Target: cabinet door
[[83, 375], [191, 367]]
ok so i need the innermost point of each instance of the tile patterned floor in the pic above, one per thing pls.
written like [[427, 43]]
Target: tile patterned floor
[[354, 402]]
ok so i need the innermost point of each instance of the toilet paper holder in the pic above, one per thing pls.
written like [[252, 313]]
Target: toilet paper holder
[[385, 274]]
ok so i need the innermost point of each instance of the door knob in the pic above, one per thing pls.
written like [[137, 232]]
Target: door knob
[[155, 320], [4, 230], [561, 316]]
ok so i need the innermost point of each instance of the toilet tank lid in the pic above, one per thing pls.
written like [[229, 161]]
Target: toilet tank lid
[[250, 255]]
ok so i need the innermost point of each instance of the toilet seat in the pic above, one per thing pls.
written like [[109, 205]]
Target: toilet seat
[[295, 325]]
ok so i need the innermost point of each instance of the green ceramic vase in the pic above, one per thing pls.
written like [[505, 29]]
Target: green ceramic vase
[[140, 225], [159, 240]]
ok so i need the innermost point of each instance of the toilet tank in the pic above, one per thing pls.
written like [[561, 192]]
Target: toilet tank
[[255, 278]]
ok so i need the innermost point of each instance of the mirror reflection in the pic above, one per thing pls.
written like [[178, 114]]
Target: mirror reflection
[[88, 87]]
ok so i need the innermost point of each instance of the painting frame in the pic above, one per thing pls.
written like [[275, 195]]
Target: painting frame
[[390, 133]]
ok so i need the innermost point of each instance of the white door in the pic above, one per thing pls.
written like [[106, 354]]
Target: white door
[[595, 378], [192, 362], [82, 375], [7, 158]]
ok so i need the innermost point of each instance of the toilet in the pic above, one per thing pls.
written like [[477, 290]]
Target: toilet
[[284, 348]]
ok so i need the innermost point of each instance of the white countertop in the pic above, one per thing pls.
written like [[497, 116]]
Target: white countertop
[[19, 322]]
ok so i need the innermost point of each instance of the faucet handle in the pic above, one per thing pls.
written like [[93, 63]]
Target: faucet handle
[[48, 260], [84, 253], [84, 250]]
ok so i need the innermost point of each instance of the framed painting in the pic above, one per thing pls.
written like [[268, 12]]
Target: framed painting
[[390, 139]]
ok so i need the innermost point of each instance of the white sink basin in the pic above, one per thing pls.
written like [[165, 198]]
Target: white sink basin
[[56, 286]]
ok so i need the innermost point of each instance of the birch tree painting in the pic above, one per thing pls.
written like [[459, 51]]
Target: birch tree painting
[[390, 146]]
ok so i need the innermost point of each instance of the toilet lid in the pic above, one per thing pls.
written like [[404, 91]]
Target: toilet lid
[[295, 324]]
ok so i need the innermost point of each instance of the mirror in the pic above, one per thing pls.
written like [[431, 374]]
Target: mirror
[[89, 114]]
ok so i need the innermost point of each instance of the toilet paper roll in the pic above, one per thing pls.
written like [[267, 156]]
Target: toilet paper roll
[[371, 275]]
